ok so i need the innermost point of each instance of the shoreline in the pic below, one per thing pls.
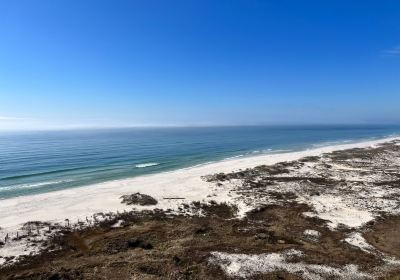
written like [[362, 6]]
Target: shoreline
[[80, 202], [340, 196]]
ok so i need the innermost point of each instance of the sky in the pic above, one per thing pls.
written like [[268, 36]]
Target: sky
[[75, 63]]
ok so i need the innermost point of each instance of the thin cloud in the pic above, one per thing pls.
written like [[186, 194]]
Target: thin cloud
[[392, 52], [6, 118]]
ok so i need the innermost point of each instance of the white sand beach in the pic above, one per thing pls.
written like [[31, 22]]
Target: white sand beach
[[77, 203]]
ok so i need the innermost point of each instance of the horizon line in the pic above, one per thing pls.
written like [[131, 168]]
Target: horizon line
[[44, 129]]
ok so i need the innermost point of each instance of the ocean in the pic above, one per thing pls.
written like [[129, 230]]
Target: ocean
[[44, 161]]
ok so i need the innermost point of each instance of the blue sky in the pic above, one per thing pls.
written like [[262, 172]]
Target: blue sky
[[66, 64]]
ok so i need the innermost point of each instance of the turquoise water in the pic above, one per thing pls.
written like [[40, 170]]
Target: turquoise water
[[37, 162]]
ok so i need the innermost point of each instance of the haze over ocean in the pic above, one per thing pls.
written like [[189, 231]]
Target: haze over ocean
[[37, 162]]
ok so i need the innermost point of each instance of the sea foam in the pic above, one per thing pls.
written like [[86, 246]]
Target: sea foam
[[149, 164], [32, 185]]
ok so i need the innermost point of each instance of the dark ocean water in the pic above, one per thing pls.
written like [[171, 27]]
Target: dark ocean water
[[37, 162]]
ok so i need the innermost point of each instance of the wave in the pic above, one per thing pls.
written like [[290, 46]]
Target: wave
[[260, 152], [278, 151], [32, 185], [233, 157], [148, 164], [337, 142], [23, 176]]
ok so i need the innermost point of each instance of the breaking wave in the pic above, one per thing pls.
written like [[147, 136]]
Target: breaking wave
[[32, 185], [148, 164]]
